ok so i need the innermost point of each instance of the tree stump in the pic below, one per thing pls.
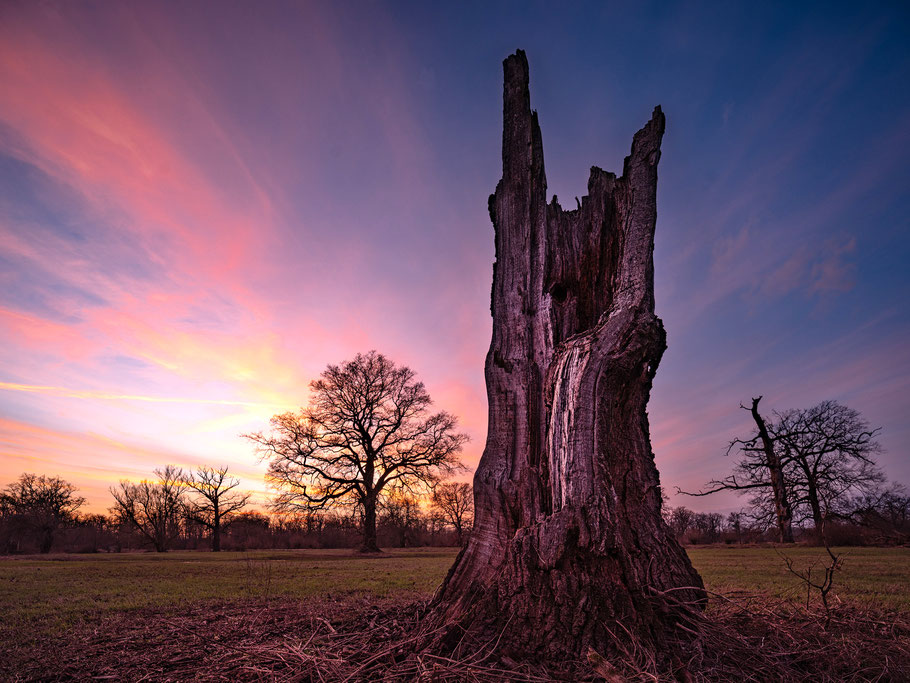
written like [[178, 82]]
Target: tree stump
[[569, 546]]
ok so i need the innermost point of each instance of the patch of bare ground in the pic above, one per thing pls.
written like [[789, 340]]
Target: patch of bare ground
[[741, 637]]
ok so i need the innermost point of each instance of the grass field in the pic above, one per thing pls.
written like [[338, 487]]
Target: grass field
[[49, 594], [870, 577], [42, 594], [133, 615]]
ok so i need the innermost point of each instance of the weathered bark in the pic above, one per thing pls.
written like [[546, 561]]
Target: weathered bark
[[568, 537], [782, 510]]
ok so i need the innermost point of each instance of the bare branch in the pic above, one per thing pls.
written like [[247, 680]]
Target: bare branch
[[367, 427]]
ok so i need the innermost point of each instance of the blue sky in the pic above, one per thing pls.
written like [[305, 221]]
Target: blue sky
[[203, 204]]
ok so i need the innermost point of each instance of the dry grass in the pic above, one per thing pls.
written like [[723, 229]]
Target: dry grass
[[272, 627], [743, 638], [757, 639], [753, 637], [351, 640]]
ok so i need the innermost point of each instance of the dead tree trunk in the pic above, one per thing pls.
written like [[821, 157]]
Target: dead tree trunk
[[783, 513], [568, 537]]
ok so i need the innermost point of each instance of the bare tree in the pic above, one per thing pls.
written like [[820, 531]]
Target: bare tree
[[735, 525], [454, 502], [42, 504], [680, 520], [367, 427], [885, 511], [92, 532], [804, 464], [400, 513], [828, 451], [152, 508], [708, 525], [251, 529], [214, 504], [761, 471]]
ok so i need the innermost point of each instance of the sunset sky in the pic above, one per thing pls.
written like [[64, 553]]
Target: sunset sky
[[202, 204]]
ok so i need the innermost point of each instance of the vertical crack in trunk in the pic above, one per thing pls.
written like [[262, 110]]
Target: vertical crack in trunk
[[568, 537]]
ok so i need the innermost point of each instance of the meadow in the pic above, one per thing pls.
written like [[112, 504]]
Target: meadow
[[875, 578], [51, 602], [39, 593]]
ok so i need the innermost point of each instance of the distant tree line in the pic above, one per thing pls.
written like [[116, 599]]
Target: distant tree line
[[882, 521], [365, 465], [188, 510]]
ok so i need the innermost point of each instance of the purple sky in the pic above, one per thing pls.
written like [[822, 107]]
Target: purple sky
[[202, 204]]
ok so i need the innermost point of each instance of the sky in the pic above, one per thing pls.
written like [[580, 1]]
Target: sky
[[203, 204]]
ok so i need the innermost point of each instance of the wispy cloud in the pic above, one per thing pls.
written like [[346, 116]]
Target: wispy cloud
[[197, 216], [74, 393]]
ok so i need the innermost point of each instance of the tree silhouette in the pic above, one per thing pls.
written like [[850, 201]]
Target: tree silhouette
[[761, 470], [804, 464], [42, 503], [400, 513], [152, 507], [828, 451], [214, 503], [367, 427], [454, 502]]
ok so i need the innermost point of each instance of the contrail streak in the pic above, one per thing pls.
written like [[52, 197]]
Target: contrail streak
[[76, 393]]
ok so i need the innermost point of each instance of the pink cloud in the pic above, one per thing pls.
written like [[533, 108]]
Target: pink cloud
[[39, 334]]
